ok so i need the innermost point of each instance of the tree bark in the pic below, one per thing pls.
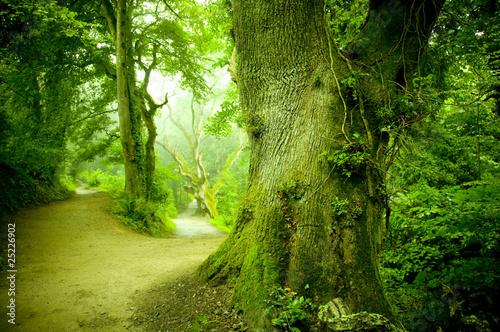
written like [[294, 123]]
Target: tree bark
[[306, 220], [127, 121], [148, 110]]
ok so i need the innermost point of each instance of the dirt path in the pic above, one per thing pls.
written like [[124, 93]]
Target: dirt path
[[80, 269]]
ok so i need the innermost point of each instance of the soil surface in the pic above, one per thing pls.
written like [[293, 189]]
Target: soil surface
[[80, 269]]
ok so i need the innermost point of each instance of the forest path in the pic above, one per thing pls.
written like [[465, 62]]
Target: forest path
[[80, 269]]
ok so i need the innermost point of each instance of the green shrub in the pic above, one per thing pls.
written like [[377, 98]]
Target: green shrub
[[19, 189], [441, 263], [145, 217], [229, 197], [68, 182], [95, 178], [153, 216], [289, 310], [224, 223], [112, 183], [105, 181]]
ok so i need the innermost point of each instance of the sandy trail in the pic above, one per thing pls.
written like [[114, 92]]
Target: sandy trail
[[80, 269]]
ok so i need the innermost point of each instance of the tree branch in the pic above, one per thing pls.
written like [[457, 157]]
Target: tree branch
[[170, 8], [91, 116], [183, 168], [396, 27], [178, 124], [109, 13], [153, 106]]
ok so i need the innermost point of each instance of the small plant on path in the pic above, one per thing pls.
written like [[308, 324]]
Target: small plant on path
[[201, 324]]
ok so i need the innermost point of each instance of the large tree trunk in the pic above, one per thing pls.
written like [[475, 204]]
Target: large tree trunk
[[306, 220], [128, 122]]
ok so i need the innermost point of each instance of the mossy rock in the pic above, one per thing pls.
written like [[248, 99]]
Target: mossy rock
[[362, 321]]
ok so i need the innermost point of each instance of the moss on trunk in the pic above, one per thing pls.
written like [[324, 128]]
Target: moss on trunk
[[306, 220], [129, 120]]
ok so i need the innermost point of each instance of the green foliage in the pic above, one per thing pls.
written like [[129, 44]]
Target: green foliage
[[345, 19], [44, 65], [94, 178], [401, 112], [152, 217], [145, 217], [351, 158], [18, 189], [160, 193], [221, 123], [201, 324], [287, 188], [339, 206], [68, 182], [231, 193], [229, 197], [454, 147], [105, 181], [441, 262], [288, 309], [223, 222]]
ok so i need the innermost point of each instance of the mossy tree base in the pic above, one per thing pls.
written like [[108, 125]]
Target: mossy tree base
[[306, 220]]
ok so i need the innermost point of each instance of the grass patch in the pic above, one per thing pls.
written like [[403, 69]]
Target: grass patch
[[152, 217]]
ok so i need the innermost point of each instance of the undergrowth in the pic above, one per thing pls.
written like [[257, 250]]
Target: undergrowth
[[223, 222], [151, 217], [146, 217], [290, 311], [19, 189], [441, 267]]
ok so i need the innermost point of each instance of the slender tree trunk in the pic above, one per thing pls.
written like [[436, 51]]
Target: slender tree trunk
[[306, 220], [148, 110], [130, 144], [148, 113]]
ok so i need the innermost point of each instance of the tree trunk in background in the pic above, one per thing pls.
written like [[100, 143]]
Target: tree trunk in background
[[199, 186], [306, 220], [128, 122]]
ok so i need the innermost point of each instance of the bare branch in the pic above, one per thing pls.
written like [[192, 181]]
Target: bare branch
[[203, 175], [178, 124]]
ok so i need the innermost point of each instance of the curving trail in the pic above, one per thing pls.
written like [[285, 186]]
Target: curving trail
[[80, 269]]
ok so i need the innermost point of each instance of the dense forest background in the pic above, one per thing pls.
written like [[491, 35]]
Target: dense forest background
[[61, 118]]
